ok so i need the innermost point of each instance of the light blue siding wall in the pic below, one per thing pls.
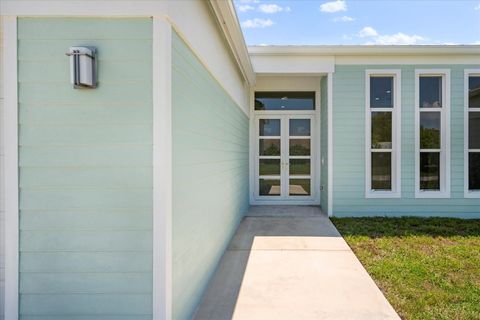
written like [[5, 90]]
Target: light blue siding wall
[[349, 148], [85, 160], [324, 143], [210, 176]]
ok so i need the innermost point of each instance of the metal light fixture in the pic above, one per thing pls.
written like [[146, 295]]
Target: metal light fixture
[[83, 67]]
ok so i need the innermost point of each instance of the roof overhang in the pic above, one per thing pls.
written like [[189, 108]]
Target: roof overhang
[[228, 21]]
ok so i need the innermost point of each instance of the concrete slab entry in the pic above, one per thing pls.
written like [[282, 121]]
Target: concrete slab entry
[[285, 266]]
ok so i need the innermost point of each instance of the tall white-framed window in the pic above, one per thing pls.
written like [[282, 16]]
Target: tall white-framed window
[[472, 133], [432, 133], [383, 133]]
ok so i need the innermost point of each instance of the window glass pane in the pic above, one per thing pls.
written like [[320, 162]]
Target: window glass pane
[[299, 166], [430, 92], [269, 167], [474, 171], [269, 187], [430, 130], [381, 130], [429, 170], [269, 147], [299, 187], [299, 147], [474, 92], [299, 127], [284, 100], [382, 170], [269, 127], [474, 130], [381, 92]]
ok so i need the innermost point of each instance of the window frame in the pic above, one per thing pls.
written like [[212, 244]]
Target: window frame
[[444, 191], [467, 192], [395, 150]]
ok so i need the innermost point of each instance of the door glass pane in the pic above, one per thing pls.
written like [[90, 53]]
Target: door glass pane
[[381, 92], [284, 100], [381, 170], [474, 92], [381, 130], [474, 130], [430, 171], [429, 130], [269, 147], [299, 166], [299, 147], [269, 167], [269, 127], [474, 171], [299, 127], [430, 92], [269, 187], [299, 187]]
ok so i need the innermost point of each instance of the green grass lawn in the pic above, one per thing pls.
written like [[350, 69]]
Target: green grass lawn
[[428, 268]]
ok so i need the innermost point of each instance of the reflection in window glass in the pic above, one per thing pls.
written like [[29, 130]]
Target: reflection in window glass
[[381, 170], [474, 92], [474, 130], [269, 127], [430, 171], [299, 187], [269, 167], [269, 147], [430, 92], [381, 92], [381, 130], [284, 100], [474, 171], [299, 147], [430, 130], [299, 127], [269, 187], [299, 166]]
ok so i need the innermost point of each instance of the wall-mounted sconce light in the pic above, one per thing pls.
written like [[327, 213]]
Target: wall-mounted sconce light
[[83, 67]]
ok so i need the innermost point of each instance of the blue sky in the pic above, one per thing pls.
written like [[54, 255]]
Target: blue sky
[[283, 22]]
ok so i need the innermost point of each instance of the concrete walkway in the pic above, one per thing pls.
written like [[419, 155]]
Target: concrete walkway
[[291, 263]]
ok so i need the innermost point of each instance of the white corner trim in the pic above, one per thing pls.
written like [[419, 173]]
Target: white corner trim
[[396, 152], [10, 136], [162, 169], [466, 110], [445, 156], [330, 142]]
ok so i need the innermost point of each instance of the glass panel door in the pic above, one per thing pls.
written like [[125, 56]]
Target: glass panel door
[[299, 158], [269, 157]]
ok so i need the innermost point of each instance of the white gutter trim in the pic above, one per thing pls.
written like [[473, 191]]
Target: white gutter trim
[[228, 21], [380, 50]]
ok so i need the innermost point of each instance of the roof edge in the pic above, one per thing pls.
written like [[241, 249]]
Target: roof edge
[[380, 50], [228, 21]]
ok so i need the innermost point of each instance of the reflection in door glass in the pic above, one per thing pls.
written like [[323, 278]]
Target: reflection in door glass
[[299, 127], [269, 127], [299, 187], [269, 187]]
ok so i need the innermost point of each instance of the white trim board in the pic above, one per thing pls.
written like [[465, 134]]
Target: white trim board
[[396, 134], [330, 142], [467, 192], [10, 136], [444, 191]]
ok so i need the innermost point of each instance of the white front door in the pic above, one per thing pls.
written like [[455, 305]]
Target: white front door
[[284, 158]]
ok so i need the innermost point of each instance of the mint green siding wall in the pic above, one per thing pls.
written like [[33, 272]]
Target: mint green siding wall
[[210, 176], [324, 143], [85, 160], [349, 148]]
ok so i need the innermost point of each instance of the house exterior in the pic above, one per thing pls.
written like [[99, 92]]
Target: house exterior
[[118, 201]]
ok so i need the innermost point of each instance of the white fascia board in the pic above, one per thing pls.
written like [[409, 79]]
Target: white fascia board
[[272, 64], [348, 50], [228, 21]]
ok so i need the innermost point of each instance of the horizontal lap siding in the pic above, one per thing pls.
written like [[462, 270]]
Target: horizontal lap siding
[[349, 150], [210, 176], [85, 162], [2, 187]]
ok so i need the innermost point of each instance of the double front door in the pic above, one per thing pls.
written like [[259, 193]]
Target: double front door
[[284, 160]]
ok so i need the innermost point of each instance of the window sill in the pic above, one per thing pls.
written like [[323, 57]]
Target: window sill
[[432, 194], [472, 194], [382, 195]]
